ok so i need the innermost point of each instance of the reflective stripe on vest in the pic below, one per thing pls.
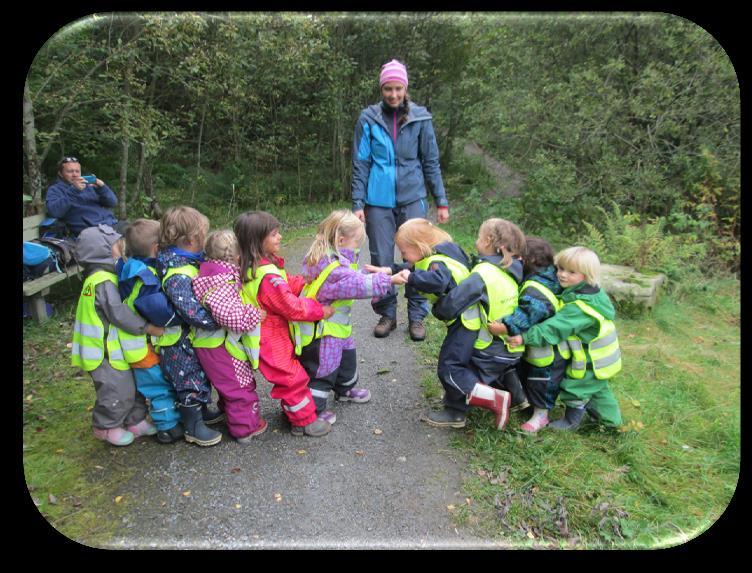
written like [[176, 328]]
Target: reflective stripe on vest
[[251, 341], [470, 317], [502, 300], [88, 348], [603, 351], [172, 334], [542, 356]]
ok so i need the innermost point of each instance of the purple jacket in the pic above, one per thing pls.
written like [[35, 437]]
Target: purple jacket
[[343, 283]]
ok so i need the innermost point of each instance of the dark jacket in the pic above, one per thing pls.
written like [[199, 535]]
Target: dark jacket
[[151, 302], [81, 209], [385, 177]]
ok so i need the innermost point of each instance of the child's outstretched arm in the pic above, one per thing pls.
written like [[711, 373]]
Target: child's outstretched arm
[[179, 291], [229, 311], [275, 296], [118, 314], [532, 308], [465, 294], [436, 280], [568, 321], [345, 283]]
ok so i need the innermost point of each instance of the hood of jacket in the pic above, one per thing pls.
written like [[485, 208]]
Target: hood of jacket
[[131, 270], [547, 277], [596, 297], [214, 273], [311, 272], [94, 246], [454, 251]]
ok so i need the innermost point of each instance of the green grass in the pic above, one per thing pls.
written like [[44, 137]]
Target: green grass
[[664, 479]]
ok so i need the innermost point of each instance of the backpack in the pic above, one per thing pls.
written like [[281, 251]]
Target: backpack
[[63, 248], [38, 260], [52, 227]]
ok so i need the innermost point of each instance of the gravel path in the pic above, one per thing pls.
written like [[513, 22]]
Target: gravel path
[[380, 479]]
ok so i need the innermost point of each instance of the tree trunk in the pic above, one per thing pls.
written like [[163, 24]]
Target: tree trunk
[[198, 152], [124, 145], [140, 174], [155, 211], [32, 159]]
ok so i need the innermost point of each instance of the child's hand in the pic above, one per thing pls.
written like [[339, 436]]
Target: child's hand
[[515, 340], [154, 330], [262, 315], [372, 269], [328, 310], [497, 328], [401, 277]]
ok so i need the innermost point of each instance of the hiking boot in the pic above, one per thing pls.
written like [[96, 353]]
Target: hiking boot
[[260, 429], [488, 398], [512, 384], [114, 436], [357, 395], [172, 435], [210, 416], [384, 327], [143, 428], [417, 330], [445, 418], [571, 420], [315, 429], [328, 416], [194, 429]]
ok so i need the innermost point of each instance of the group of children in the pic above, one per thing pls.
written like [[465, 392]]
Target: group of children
[[170, 310]]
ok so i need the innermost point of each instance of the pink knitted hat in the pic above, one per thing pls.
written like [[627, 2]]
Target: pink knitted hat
[[393, 71]]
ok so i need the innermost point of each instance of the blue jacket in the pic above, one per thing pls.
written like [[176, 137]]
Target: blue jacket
[[151, 302], [81, 209], [383, 177]]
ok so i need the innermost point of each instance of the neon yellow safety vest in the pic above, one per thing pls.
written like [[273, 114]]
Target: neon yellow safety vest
[[134, 345], [339, 325], [471, 315], [251, 341], [172, 333], [88, 330], [502, 300], [603, 351], [542, 356], [203, 338]]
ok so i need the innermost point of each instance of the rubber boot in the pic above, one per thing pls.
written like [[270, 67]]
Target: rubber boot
[[172, 435], [211, 417], [513, 385], [492, 399], [446, 418], [194, 428], [571, 420]]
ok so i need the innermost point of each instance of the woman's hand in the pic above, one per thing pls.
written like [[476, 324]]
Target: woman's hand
[[442, 214], [372, 269], [360, 214]]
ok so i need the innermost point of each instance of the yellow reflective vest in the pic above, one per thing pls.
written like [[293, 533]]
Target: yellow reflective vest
[[251, 341], [203, 338], [502, 300], [471, 315], [89, 343], [603, 351]]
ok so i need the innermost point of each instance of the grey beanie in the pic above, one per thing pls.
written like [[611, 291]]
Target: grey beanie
[[94, 245]]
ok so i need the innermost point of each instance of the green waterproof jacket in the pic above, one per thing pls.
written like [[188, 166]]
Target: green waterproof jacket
[[571, 320]]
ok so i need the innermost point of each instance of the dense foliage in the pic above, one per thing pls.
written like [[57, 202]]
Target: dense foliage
[[258, 110]]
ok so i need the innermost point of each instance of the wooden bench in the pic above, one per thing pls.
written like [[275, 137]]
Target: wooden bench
[[35, 290]]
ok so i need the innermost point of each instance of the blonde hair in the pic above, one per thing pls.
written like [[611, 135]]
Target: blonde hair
[[580, 260], [181, 224], [503, 233], [140, 237], [422, 235], [222, 245], [340, 223]]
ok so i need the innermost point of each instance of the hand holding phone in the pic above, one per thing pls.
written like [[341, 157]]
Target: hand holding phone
[[90, 179]]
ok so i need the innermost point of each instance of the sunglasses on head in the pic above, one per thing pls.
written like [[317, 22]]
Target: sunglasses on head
[[68, 160]]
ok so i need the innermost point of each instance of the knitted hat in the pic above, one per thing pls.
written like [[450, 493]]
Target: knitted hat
[[393, 71]]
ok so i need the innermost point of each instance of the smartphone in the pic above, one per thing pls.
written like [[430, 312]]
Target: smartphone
[[91, 179]]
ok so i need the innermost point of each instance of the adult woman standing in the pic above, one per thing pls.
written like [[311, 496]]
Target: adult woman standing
[[395, 161]]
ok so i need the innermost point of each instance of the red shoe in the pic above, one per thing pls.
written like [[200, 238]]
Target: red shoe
[[492, 399]]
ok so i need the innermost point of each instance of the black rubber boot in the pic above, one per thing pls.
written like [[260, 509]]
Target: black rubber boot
[[211, 416], [513, 385], [195, 430], [445, 418], [571, 420], [172, 435]]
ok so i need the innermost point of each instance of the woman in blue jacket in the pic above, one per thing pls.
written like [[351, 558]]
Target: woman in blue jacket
[[395, 160]]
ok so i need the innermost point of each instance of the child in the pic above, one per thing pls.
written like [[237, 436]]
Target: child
[[493, 282], [330, 269], [439, 266], [181, 239], [267, 286], [542, 367], [585, 323], [100, 317], [141, 291], [217, 286]]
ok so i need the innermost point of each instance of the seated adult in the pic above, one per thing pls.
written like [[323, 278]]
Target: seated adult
[[79, 204]]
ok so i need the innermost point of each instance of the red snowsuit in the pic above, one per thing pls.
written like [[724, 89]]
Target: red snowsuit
[[277, 360]]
